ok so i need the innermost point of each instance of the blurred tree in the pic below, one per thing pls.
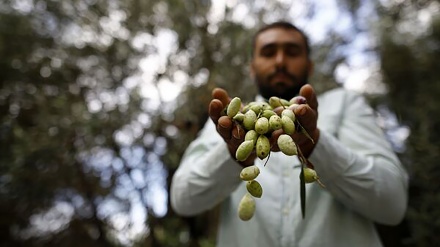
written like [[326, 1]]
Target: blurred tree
[[62, 106], [99, 99], [410, 48]]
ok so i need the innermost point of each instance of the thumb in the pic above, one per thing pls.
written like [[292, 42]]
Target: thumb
[[309, 93]]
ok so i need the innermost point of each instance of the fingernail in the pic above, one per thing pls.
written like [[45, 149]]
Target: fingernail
[[221, 125]]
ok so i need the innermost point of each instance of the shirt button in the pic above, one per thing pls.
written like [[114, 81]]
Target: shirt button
[[286, 210], [286, 173]]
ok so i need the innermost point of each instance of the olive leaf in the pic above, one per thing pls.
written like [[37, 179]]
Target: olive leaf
[[302, 191], [302, 181]]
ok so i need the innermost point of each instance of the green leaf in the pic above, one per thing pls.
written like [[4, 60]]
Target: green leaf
[[303, 191]]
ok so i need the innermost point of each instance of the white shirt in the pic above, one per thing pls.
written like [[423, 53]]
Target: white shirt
[[365, 183]]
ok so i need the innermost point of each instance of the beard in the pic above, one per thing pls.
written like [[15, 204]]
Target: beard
[[283, 89]]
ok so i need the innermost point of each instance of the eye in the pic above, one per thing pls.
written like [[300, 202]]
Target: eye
[[293, 50], [268, 51]]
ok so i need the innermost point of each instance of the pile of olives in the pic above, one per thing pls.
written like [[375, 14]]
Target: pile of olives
[[259, 120]]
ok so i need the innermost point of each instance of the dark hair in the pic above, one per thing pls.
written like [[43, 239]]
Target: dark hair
[[280, 24]]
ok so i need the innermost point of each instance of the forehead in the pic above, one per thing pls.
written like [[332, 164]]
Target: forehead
[[279, 36]]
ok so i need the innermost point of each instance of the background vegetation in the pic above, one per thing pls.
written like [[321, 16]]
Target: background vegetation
[[98, 100]]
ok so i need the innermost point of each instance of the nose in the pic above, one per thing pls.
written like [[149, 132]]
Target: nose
[[280, 59]]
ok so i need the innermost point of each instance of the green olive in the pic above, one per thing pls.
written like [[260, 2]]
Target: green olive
[[233, 107], [262, 147], [244, 150], [239, 117], [246, 207], [249, 120], [289, 113], [262, 125], [251, 135], [287, 145], [310, 175], [275, 122], [288, 125], [254, 188], [275, 102], [268, 113], [249, 173]]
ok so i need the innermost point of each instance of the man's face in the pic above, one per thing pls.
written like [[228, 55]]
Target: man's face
[[280, 65]]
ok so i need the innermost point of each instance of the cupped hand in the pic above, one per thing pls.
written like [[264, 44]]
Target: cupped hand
[[305, 108], [233, 134]]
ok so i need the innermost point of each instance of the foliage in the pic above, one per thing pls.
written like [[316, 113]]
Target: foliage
[[90, 137], [63, 107], [411, 72]]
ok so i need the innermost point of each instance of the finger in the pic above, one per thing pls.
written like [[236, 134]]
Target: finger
[[298, 137], [250, 160], [279, 109], [307, 117], [275, 134], [310, 164], [222, 95], [215, 110], [309, 94], [238, 134], [273, 140], [301, 110], [308, 130], [224, 127]]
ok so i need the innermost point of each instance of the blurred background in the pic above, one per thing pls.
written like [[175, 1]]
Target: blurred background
[[99, 99]]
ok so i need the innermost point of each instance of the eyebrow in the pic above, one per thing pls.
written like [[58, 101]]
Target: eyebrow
[[283, 44]]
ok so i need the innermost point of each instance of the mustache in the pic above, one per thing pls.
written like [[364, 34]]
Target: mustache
[[281, 71]]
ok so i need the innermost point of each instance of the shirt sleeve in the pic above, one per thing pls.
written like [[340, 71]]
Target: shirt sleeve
[[206, 175], [359, 167]]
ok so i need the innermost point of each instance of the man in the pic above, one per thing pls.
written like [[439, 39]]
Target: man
[[364, 181]]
